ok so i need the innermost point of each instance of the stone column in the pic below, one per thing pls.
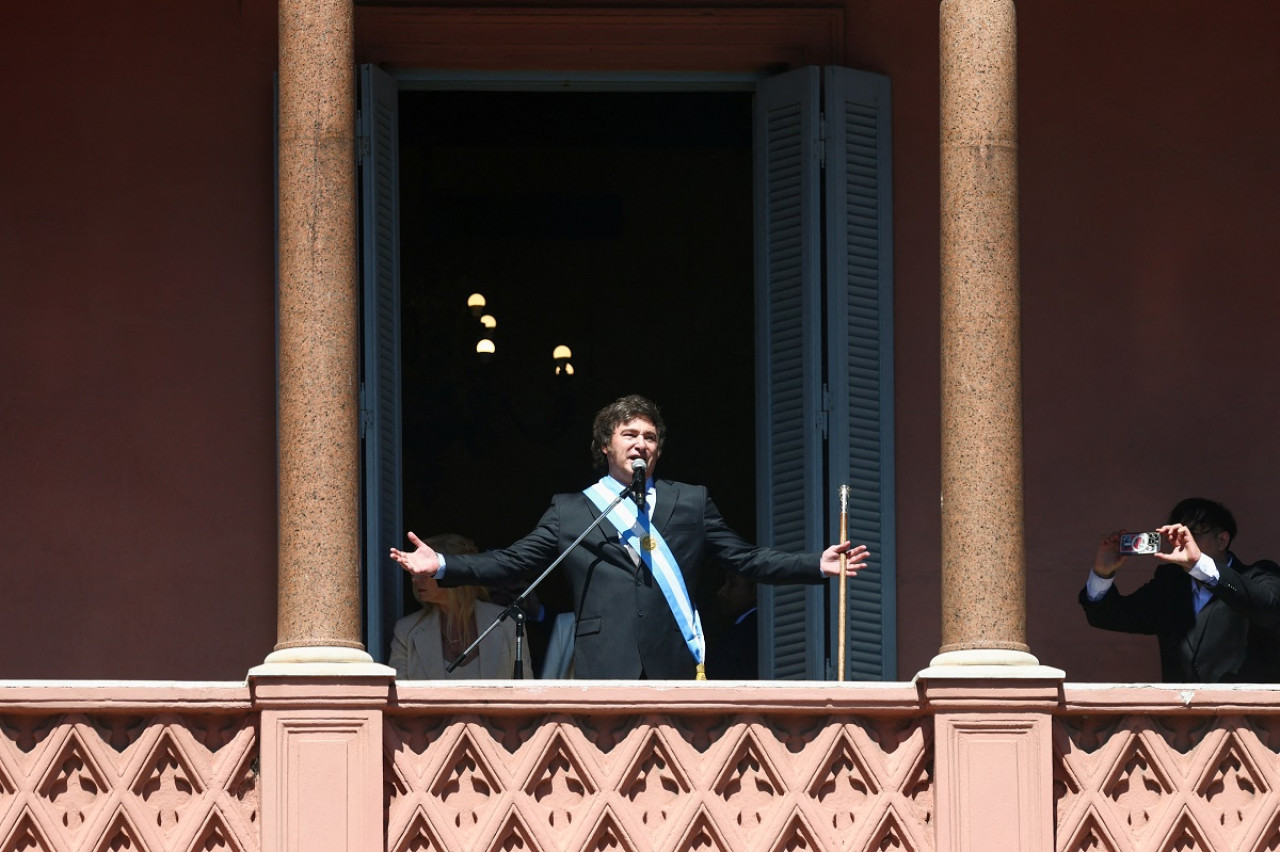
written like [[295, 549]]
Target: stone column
[[983, 557], [318, 615], [320, 696], [994, 702]]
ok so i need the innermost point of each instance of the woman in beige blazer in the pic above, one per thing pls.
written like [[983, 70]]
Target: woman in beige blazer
[[426, 641]]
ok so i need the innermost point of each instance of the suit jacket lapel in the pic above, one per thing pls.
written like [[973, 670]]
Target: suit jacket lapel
[[605, 533], [426, 639], [488, 663], [667, 495], [1207, 619]]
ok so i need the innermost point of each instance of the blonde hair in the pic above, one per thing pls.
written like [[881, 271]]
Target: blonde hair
[[460, 601]]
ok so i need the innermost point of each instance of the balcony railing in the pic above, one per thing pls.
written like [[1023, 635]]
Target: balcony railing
[[637, 767]]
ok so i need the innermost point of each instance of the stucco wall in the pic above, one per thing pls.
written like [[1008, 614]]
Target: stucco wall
[[137, 537], [136, 336], [1149, 269], [1147, 175]]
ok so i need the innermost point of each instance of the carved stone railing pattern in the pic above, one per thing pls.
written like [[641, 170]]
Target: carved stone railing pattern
[[650, 782], [144, 783], [1167, 781], [640, 768]]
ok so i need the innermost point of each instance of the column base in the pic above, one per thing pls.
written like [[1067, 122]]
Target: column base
[[320, 661], [988, 663]]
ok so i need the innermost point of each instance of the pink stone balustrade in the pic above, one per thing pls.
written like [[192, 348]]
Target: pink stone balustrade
[[640, 767], [1167, 769], [127, 767]]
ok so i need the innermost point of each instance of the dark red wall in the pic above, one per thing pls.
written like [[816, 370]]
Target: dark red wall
[[1150, 261], [1149, 182], [137, 537]]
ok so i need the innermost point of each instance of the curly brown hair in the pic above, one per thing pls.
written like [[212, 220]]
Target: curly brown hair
[[623, 410]]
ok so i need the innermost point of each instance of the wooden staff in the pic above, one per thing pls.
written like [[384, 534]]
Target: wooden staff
[[844, 584]]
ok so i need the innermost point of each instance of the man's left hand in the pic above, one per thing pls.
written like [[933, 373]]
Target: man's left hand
[[1185, 553], [856, 556]]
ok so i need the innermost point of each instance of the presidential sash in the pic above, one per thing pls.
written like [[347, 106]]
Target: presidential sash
[[637, 532]]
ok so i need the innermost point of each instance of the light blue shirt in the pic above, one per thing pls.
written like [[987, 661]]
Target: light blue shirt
[[1204, 572]]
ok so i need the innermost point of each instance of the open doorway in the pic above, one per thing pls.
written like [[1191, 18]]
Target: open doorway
[[822, 335], [616, 224]]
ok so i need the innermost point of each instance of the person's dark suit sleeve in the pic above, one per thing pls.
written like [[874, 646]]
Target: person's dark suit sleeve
[[762, 564], [1254, 593], [1138, 612], [527, 556]]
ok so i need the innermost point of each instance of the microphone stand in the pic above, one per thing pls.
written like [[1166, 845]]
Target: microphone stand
[[513, 609]]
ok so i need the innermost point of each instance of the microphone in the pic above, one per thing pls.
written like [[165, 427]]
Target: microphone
[[638, 490]]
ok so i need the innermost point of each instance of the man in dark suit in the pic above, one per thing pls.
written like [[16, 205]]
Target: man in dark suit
[[628, 574], [1217, 619]]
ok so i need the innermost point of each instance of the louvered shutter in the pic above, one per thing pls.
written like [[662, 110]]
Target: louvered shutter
[[859, 275], [380, 354], [788, 364]]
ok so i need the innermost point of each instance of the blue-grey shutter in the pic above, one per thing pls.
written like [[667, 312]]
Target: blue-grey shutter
[[788, 364], [859, 275], [380, 354]]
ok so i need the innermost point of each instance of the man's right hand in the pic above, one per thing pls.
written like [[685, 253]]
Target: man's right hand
[[421, 561], [1109, 558]]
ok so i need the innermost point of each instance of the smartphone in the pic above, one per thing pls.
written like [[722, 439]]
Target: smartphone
[[1143, 542]]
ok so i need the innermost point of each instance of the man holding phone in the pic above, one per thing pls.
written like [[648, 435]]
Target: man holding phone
[[1217, 619]]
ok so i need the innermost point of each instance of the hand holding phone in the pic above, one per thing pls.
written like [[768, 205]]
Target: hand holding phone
[[1140, 543]]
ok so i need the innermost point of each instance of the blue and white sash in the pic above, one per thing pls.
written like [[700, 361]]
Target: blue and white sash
[[639, 534]]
